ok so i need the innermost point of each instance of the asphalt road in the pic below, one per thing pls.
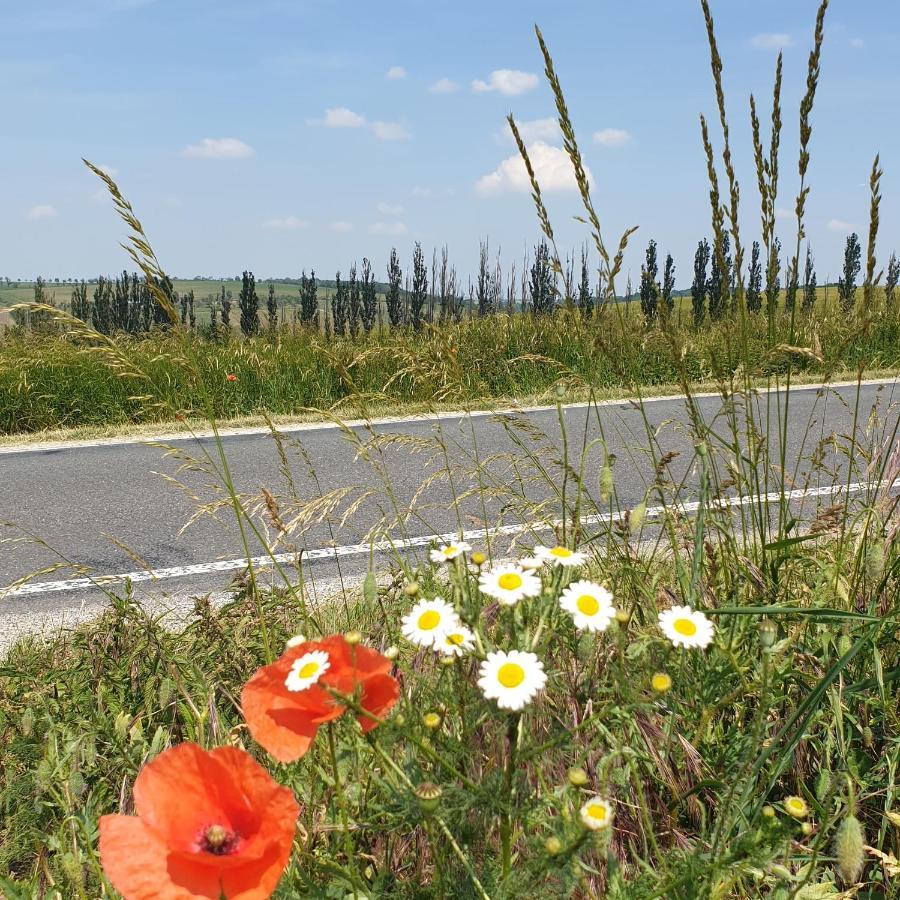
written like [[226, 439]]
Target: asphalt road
[[87, 504]]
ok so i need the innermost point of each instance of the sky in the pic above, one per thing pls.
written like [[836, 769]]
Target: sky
[[282, 135]]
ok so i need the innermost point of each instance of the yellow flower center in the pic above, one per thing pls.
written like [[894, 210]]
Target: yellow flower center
[[429, 620], [450, 551], [510, 675], [661, 682], [455, 639], [509, 581], [597, 811], [308, 669], [561, 552], [587, 605], [687, 627]]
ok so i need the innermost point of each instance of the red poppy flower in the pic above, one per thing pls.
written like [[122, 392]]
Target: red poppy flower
[[285, 703], [231, 377], [208, 824]]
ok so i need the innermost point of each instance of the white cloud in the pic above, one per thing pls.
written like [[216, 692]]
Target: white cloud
[[218, 148], [771, 40], [444, 86], [784, 212], [857, 43], [425, 193], [537, 129], [390, 209], [390, 131], [341, 117], [395, 73], [509, 82], [840, 225], [109, 170], [551, 166], [611, 137], [388, 228], [42, 211], [341, 227], [287, 223]]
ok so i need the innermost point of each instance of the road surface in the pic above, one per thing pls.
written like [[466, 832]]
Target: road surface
[[120, 507]]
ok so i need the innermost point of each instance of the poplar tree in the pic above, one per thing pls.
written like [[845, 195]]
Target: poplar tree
[[272, 307], [369, 296], [309, 299], [773, 281], [226, 309], [649, 289], [81, 306], [395, 277], [890, 281], [809, 283], [668, 285], [101, 311], [248, 301], [542, 282], [354, 298], [852, 265], [698, 286], [419, 293], [792, 286], [754, 281], [483, 294], [339, 306], [585, 297]]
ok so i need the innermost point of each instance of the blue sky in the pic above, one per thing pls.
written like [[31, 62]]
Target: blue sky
[[279, 135]]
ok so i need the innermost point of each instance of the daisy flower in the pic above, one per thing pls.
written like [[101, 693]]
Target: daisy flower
[[512, 679], [589, 604], [457, 641], [531, 563], [596, 813], [560, 556], [509, 584], [306, 670], [449, 552], [428, 621], [796, 807], [686, 627]]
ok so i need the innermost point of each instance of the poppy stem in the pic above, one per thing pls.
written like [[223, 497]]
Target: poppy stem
[[342, 806]]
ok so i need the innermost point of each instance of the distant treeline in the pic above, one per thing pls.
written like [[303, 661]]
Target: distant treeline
[[435, 293]]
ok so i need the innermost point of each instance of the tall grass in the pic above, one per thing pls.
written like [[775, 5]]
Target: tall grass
[[796, 697]]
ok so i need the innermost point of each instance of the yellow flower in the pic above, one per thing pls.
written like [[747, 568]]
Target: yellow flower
[[796, 807], [661, 682], [596, 813]]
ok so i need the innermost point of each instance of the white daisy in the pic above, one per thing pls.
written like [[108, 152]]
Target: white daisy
[[531, 563], [560, 556], [307, 670], [509, 584], [686, 627], [589, 604], [449, 552], [596, 813], [295, 641], [457, 641], [512, 679], [428, 621]]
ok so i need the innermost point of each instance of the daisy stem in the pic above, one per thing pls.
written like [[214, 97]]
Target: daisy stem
[[512, 736]]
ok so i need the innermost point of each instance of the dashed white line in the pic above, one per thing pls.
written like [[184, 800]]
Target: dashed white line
[[400, 544]]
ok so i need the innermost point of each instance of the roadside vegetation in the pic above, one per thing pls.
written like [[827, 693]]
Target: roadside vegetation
[[691, 696]]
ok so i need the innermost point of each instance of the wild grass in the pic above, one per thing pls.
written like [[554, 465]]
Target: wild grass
[[50, 381], [451, 796]]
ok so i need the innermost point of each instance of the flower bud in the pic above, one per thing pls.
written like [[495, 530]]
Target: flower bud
[[768, 633], [448, 661], [431, 720], [849, 849], [560, 391], [553, 846], [806, 828], [578, 777], [768, 812], [399, 720], [661, 682], [353, 638], [429, 796], [622, 617], [392, 652], [295, 641], [411, 588], [796, 807], [478, 558]]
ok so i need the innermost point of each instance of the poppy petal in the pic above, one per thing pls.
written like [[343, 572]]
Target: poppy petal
[[379, 694]]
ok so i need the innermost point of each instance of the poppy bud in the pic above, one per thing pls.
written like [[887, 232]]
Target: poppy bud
[[768, 633], [848, 848], [429, 796]]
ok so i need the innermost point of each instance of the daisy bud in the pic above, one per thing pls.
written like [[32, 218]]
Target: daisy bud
[[431, 720], [661, 682], [478, 558], [429, 796], [411, 588], [353, 638], [392, 652], [796, 807], [701, 449], [560, 391], [553, 846], [768, 812], [295, 641], [806, 828], [399, 720], [448, 661], [578, 777], [768, 633], [622, 616], [848, 848]]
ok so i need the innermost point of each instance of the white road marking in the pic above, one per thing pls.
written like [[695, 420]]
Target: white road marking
[[233, 565], [296, 427]]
